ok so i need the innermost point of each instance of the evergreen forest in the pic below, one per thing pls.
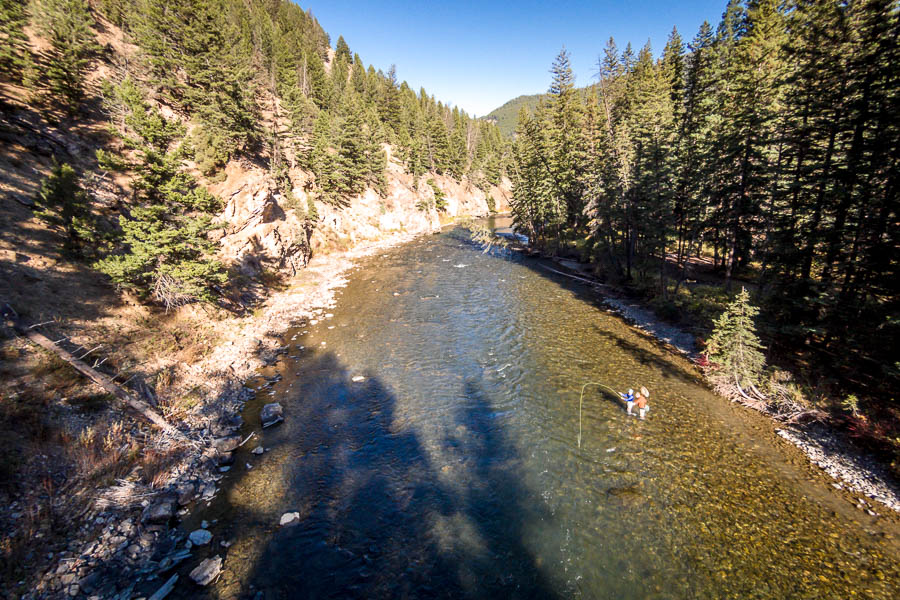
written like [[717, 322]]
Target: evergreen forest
[[231, 73], [765, 149]]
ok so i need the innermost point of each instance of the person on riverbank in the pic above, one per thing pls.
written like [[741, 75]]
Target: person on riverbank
[[641, 399], [629, 401]]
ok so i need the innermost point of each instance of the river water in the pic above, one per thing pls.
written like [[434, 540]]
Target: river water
[[453, 469]]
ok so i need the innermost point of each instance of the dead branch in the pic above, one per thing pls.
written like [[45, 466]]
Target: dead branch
[[105, 382]]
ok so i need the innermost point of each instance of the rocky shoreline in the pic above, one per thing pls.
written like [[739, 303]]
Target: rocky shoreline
[[126, 543]]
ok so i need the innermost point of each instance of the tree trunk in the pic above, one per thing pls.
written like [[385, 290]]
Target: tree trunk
[[141, 408]]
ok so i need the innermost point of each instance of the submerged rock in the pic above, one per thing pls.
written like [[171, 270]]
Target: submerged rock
[[271, 414], [227, 444], [258, 450], [200, 537], [207, 571], [289, 518]]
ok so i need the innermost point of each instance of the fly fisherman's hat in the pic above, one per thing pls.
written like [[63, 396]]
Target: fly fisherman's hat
[[645, 392]]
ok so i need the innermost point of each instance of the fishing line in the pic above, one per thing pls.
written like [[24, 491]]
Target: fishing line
[[581, 401]]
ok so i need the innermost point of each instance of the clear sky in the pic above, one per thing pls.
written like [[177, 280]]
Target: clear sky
[[478, 55]]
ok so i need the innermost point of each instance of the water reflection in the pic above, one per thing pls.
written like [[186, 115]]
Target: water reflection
[[379, 519]]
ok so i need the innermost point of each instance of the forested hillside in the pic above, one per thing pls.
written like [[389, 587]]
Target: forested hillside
[[199, 83], [167, 171], [505, 116], [765, 148]]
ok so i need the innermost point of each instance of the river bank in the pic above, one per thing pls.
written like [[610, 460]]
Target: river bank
[[852, 470], [124, 540]]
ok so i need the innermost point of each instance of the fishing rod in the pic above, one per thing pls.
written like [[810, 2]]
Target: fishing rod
[[581, 401]]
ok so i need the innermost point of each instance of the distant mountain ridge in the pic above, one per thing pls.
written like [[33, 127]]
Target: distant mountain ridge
[[505, 116]]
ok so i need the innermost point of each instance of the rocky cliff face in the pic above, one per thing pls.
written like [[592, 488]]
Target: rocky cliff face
[[262, 230]]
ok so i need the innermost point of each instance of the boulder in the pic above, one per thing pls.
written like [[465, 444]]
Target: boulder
[[160, 511], [271, 414], [200, 537], [227, 444], [207, 571]]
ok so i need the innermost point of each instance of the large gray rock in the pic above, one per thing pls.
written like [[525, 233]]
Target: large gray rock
[[271, 414], [227, 444], [207, 571], [160, 511]]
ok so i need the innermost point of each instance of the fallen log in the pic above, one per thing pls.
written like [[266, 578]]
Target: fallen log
[[141, 408]]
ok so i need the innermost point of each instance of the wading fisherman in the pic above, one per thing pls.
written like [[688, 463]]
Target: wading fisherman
[[641, 401], [629, 400]]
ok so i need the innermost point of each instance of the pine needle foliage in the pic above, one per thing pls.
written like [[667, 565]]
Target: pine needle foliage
[[67, 24], [734, 345], [63, 204], [165, 251], [13, 42]]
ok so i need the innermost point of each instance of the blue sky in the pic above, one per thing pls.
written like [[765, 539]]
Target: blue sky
[[478, 55]]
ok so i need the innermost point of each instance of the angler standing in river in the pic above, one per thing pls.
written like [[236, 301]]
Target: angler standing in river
[[641, 400]]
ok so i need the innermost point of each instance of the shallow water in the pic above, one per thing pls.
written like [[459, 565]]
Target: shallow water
[[453, 469]]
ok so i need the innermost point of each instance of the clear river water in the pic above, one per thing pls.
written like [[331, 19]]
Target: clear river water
[[452, 470]]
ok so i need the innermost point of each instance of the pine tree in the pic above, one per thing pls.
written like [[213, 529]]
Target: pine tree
[[342, 51], [749, 107], [164, 250], [62, 203], [734, 345], [389, 101], [566, 156], [320, 161], [13, 42], [352, 163], [67, 25]]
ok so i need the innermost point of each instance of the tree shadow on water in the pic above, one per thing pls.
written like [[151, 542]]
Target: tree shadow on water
[[390, 511]]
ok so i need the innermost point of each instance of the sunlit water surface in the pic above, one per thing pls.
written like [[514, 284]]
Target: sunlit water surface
[[453, 469]]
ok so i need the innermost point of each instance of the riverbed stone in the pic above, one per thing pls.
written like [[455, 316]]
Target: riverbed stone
[[207, 571], [200, 537], [289, 518], [271, 414], [258, 450], [160, 511], [227, 443], [186, 493], [225, 458]]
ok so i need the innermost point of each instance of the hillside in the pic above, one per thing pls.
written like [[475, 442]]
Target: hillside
[[505, 116]]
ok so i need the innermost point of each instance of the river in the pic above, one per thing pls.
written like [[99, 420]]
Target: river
[[452, 470]]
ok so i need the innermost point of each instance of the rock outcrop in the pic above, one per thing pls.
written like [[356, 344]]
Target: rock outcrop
[[264, 230]]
